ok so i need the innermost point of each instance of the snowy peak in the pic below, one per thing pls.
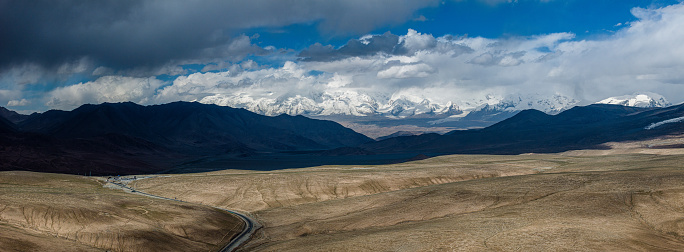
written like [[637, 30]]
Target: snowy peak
[[410, 106], [451, 109], [392, 106], [550, 105], [650, 100], [337, 103]]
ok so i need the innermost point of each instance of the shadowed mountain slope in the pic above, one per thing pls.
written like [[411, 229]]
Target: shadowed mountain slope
[[535, 131], [194, 127], [124, 138], [11, 116], [6, 126]]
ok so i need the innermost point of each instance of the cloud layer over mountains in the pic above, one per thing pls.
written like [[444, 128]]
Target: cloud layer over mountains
[[150, 33], [645, 55]]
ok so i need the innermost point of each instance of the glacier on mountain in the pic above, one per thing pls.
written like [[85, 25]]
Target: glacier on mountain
[[394, 106], [486, 110], [645, 100], [379, 114], [551, 105]]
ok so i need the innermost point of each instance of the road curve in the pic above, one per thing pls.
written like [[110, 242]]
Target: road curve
[[251, 225], [244, 236]]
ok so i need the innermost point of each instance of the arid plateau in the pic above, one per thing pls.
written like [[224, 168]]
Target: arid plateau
[[628, 197]]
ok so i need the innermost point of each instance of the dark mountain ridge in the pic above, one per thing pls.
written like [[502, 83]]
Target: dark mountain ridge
[[187, 126], [158, 137], [11, 116], [120, 138], [534, 131]]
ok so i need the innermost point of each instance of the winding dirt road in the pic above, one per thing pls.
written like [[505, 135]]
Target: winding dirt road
[[251, 225]]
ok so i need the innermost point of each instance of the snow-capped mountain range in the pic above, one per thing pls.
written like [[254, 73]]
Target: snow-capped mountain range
[[338, 103], [648, 100], [395, 106], [550, 105], [376, 115]]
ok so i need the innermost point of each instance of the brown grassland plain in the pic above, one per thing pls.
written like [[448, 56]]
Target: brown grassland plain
[[626, 197], [629, 199], [55, 212]]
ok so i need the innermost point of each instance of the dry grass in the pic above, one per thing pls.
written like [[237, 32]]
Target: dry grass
[[665, 145], [630, 198], [20, 239], [462, 202], [254, 190], [47, 212], [595, 211]]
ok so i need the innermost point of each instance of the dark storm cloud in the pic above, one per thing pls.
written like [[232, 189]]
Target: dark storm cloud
[[131, 34], [387, 43]]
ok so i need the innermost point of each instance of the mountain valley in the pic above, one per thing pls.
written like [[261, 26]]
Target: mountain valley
[[341, 125], [601, 174], [186, 137]]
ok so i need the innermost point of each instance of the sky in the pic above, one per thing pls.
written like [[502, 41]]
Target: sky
[[62, 54]]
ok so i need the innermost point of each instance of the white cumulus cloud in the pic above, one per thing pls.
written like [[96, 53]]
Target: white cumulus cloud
[[14, 103], [104, 89], [406, 71], [643, 56]]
